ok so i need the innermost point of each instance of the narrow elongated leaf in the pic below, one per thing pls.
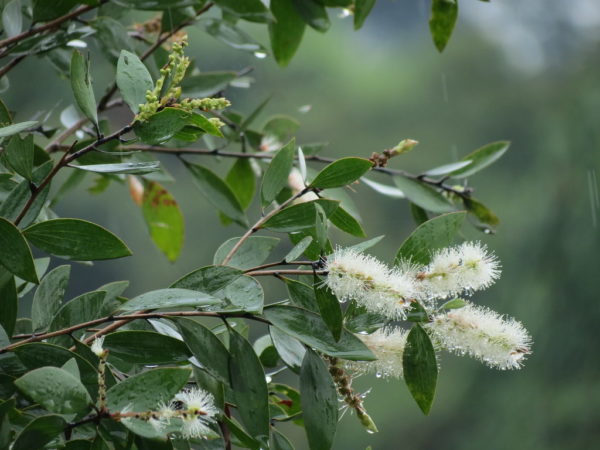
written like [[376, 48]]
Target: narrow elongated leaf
[[251, 10], [341, 173], [164, 219], [249, 385], [319, 402], [442, 21], [231, 35], [330, 309], [206, 84], [15, 254], [343, 220], [208, 279], [81, 84], [19, 154], [253, 252], [362, 8], [17, 128], [146, 347], [133, 80], [483, 214], [206, 347], [309, 328], [39, 432], [286, 32], [162, 126], [130, 167], [76, 239], [298, 249], [434, 234], [447, 168], [362, 246], [81, 309], [198, 120], [423, 195], [276, 175], [169, 298], [420, 367], [388, 191], [9, 301], [56, 390], [481, 158], [217, 192], [314, 14], [300, 216], [49, 296]]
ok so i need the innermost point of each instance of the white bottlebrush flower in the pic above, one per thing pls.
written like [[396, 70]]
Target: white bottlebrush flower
[[388, 347], [484, 334], [97, 348], [198, 410], [465, 268], [355, 276]]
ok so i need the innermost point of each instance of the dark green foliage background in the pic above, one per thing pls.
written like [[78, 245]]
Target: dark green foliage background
[[367, 91]]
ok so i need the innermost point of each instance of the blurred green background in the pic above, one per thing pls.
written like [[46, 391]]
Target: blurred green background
[[528, 72]]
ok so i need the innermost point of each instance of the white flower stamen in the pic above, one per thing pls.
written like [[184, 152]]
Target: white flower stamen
[[388, 347]]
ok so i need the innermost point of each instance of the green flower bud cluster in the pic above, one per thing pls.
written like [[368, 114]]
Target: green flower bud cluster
[[173, 73]]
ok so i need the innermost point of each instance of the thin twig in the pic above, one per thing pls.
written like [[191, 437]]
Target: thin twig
[[260, 222], [13, 62], [279, 263], [263, 273], [128, 318]]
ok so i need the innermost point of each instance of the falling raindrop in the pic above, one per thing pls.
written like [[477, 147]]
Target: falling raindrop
[[345, 13], [594, 198], [305, 108], [378, 374], [260, 55], [444, 88]]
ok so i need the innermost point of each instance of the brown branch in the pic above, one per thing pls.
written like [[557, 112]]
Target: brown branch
[[65, 160], [48, 26], [13, 62], [128, 318], [279, 263], [264, 273]]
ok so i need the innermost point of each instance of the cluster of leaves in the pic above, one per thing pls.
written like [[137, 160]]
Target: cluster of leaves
[[161, 341]]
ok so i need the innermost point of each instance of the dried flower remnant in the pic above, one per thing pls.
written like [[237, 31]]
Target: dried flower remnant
[[363, 278], [499, 342], [388, 347]]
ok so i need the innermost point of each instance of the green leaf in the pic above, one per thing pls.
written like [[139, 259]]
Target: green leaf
[[290, 350], [12, 18], [19, 155], [244, 293], [418, 214], [442, 21], [198, 120], [217, 192], [113, 39], [453, 304], [280, 442], [253, 252], [249, 385], [281, 127], [242, 181], [81, 309], [434, 234], [15, 254], [417, 313], [481, 158], [44, 11], [129, 167], [320, 237], [206, 84], [133, 80], [39, 432], [343, 220], [329, 307], [362, 8], [299, 216], [162, 126], [362, 246], [313, 13], [9, 301], [286, 32], [302, 294], [341, 173], [146, 347], [423, 195], [420, 367], [276, 175], [309, 328], [447, 168], [251, 10], [56, 390], [208, 279], [298, 249], [231, 35], [17, 128], [206, 347], [81, 84], [164, 219], [319, 402], [76, 239], [266, 351], [49, 296], [483, 214], [168, 299], [155, 5]]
